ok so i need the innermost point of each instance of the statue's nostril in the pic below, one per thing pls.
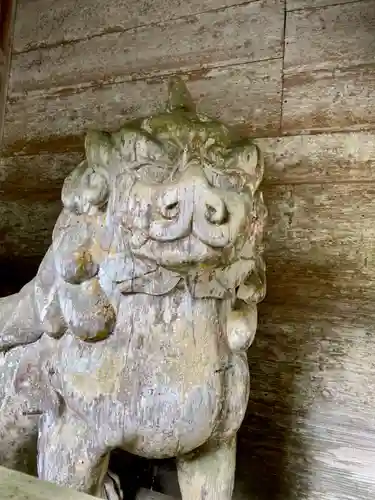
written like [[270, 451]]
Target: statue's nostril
[[216, 214], [170, 210]]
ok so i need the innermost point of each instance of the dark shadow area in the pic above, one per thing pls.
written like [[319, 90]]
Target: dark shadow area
[[134, 473], [15, 273]]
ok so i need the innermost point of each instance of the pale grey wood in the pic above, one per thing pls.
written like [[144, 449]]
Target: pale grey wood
[[329, 101], [243, 33], [315, 4], [319, 159], [40, 22], [329, 38], [329, 69], [313, 393], [304, 218], [17, 486], [133, 333], [26, 225]]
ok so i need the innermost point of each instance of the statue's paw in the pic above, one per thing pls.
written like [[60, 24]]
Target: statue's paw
[[87, 311], [241, 328]]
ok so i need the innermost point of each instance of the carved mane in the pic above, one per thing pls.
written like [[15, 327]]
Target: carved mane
[[153, 148]]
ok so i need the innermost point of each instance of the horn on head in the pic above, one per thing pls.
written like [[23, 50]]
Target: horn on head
[[98, 147], [178, 95]]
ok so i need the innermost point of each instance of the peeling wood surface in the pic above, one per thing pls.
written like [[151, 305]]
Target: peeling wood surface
[[314, 4], [208, 39], [310, 422], [332, 37], [329, 101], [319, 159], [329, 81], [39, 23]]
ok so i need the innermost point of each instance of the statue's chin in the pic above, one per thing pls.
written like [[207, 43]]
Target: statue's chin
[[178, 253]]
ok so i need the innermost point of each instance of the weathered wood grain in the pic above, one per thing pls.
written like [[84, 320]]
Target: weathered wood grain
[[329, 191], [328, 101], [329, 223], [329, 82], [310, 417], [17, 486], [323, 158], [314, 4], [243, 33], [35, 178], [247, 95], [7, 17], [339, 36], [39, 22], [26, 228]]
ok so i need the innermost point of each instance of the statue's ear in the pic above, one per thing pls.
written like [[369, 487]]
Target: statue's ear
[[85, 189], [249, 158]]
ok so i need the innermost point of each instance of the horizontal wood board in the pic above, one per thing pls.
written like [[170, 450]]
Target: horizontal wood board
[[39, 22], [242, 33], [314, 4], [329, 69]]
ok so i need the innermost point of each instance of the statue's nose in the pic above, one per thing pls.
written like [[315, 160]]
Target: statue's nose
[[192, 206], [215, 210]]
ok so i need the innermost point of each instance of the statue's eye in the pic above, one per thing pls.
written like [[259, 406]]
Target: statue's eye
[[152, 173], [229, 180]]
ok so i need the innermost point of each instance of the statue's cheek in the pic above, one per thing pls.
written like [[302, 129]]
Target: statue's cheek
[[86, 310]]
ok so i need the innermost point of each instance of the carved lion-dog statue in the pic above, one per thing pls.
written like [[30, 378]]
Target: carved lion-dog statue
[[133, 333]]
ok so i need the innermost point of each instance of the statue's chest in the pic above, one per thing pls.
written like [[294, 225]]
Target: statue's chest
[[164, 343], [173, 326]]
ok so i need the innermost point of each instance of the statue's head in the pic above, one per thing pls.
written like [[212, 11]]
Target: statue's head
[[176, 191], [180, 189]]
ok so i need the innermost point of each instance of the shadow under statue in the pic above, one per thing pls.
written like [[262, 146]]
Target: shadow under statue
[[133, 333]]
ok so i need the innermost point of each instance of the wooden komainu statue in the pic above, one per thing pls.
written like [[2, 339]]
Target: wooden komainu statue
[[133, 334]]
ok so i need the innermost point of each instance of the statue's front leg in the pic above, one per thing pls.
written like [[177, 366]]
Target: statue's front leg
[[69, 454], [208, 473]]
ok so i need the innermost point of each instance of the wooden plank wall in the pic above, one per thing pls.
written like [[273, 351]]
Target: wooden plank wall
[[7, 13], [299, 75]]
